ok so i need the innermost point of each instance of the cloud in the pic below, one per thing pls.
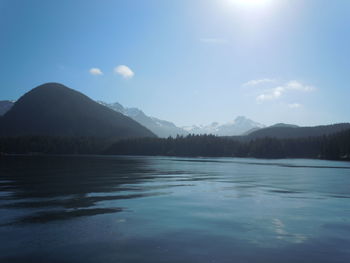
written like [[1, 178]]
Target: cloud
[[277, 92], [294, 105], [124, 71], [95, 71], [256, 82], [295, 85], [213, 40]]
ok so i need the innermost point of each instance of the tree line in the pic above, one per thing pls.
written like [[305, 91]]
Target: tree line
[[333, 147], [52, 145]]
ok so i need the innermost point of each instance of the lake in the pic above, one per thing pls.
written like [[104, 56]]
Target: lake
[[164, 209]]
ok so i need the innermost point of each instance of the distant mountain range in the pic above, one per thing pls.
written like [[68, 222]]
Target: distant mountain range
[[53, 109], [159, 127], [239, 126], [165, 129]]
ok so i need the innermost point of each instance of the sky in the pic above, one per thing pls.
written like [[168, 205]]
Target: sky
[[186, 61]]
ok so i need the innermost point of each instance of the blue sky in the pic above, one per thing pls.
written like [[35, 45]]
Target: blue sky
[[186, 61]]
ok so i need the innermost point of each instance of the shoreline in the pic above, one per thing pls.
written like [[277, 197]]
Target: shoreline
[[2, 155]]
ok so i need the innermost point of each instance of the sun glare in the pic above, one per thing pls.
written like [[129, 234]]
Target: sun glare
[[251, 3]]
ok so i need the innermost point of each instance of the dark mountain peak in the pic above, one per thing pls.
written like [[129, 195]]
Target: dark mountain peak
[[51, 89], [54, 109], [51, 85], [52, 93]]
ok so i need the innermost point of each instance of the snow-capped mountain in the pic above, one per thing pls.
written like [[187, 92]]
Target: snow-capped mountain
[[239, 126], [159, 127]]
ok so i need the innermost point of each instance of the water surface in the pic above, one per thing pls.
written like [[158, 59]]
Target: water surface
[[160, 209]]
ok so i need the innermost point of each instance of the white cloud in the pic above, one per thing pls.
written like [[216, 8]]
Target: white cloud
[[213, 40], [295, 85], [277, 92], [95, 71], [256, 82], [294, 105], [124, 71]]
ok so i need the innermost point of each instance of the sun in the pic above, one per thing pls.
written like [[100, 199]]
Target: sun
[[251, 3]]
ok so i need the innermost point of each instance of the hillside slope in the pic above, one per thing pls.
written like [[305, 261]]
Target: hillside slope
[[289, 132], [53, 109]]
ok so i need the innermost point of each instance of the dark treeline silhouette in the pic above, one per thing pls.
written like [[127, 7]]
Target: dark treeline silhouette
[[52, 145], [332, 147]]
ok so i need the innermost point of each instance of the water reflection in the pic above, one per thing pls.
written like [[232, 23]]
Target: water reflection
[[70, 186], [157, 209], [283, 234]]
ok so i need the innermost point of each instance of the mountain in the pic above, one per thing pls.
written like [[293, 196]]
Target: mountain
[[277, 125], [55, 110], [159, 127], [284, 125], [239, 126], [287, 131], [5, 105]]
